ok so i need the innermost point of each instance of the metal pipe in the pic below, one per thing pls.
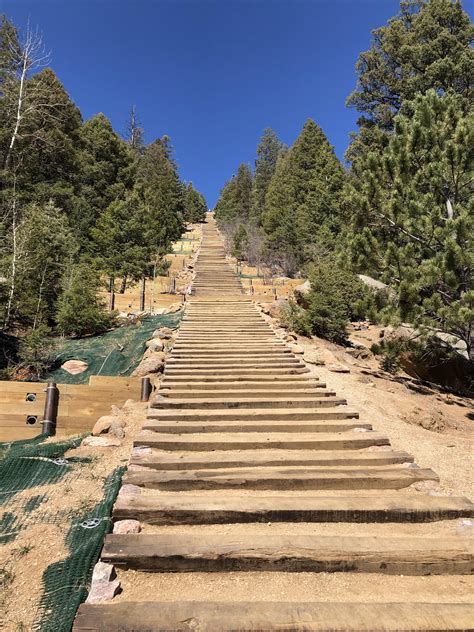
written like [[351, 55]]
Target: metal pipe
[[142, 295], [146, 389], [51, 406], [112, 294]]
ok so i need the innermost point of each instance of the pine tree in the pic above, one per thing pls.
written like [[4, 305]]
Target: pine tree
[[106, 172], [303, 197], [413, 214], [9, 51], [80, 310], [268, 152], [45, 154], [160, 188], [427, 45], [44, 248], [123, 238], [235, 199], [195, 207]]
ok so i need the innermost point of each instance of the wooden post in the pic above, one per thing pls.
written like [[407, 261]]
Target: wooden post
[[142, 295], [112, 294]]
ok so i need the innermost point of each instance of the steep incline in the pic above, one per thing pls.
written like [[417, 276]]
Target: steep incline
[[241, 433]]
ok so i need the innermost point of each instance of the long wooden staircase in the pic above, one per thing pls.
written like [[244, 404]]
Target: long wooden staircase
[[241, 433]]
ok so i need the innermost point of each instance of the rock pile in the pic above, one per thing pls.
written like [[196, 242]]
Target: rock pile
[[156, 350]]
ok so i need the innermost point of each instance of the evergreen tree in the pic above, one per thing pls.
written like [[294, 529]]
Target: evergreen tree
[[268, 152], [413, 214], [106, 172], [161, 191], [123, 238], [9, 51], [45, 154], [235, 199], [44, 249], [427, 45], [240, 243], [195, 207], [303, 197], [225, 206], [80, 310]]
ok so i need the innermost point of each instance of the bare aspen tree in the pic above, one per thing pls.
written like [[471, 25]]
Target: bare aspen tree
[[26, 57]]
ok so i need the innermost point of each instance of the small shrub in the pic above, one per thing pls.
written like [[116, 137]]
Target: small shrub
[[337, 296], [296, 319], [390, 361], [36, 351], [81, 311]]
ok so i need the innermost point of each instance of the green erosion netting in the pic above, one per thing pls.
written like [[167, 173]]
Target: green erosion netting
[[25, 465], [116, 352], [66, 583]]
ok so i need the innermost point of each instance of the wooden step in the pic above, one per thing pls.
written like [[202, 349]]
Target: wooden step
[[269, 401], [177, 392], [234, 371], [266, 426], [215, 616], [254, 414], [204, 442], [188, 552], [243, 361], [238, 388], [287, 478], [182, 508], [158, 460], [275, 379]]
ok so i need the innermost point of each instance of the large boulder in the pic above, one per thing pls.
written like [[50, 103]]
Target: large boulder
[[149, 365], [155, 344], [301, 293], [377, 286], [103, 424], [164, 333], [273, 308]]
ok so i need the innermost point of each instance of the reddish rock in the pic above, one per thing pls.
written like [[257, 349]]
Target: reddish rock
[[103, 591], [74, 367], [103, 424], [103, 572], [127, 526]]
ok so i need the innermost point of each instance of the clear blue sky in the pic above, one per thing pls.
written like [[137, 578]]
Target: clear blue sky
[[212, 74]]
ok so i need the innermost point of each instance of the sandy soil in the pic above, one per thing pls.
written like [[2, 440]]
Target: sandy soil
[[23, 561]]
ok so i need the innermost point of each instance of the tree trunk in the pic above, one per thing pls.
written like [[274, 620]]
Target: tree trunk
[[112, 294], [123, 285], [12, 288]]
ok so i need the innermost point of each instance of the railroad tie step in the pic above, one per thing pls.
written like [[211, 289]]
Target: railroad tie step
[[188, 552], [280, 478], [181, 508]]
